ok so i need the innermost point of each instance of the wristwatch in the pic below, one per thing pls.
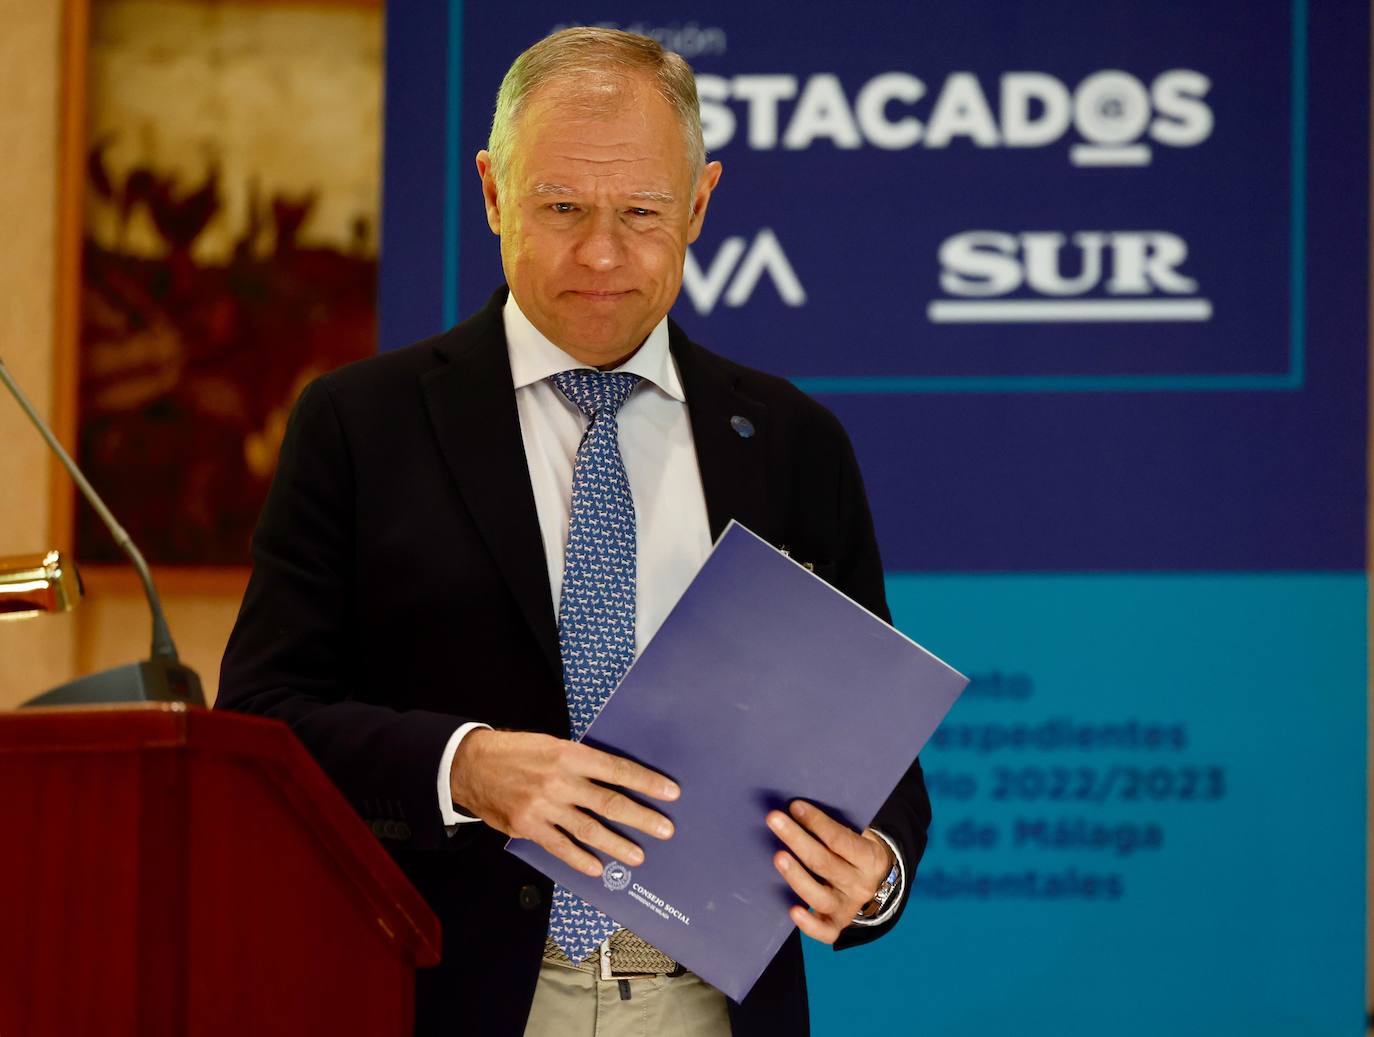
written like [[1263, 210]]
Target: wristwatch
[[884, 901], [875, 906]]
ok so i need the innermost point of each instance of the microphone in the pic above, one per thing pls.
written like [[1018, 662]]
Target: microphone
[[162, 677]]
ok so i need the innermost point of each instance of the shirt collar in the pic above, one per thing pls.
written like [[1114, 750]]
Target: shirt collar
[[534, 358]]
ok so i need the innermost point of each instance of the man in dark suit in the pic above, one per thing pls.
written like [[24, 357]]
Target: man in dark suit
[[425, 562]]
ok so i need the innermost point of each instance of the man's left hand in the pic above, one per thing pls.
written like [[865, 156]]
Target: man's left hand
[[842, 868]]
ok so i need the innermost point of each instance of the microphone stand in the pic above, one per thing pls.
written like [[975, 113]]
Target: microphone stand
[[162, 677]]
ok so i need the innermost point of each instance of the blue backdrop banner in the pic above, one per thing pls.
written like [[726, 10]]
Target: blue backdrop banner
[[1087, 284]]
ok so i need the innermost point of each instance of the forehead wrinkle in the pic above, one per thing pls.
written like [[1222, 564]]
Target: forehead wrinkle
[[549, 188], [621, 159]]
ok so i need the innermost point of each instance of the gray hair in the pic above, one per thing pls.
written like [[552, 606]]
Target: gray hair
[[595, 55]]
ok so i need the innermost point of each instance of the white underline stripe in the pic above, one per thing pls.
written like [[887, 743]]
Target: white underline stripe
[[1101, 155], [1034, 311]]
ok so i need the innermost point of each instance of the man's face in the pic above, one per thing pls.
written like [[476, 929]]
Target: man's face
[[597, 214]]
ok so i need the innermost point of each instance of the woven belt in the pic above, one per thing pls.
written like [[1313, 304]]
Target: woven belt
[[629, 956]]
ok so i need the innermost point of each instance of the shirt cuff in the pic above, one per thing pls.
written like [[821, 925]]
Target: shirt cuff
[[894, 901], [452, 819]]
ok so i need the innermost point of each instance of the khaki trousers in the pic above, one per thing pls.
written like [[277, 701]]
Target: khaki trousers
[[570, 1002]]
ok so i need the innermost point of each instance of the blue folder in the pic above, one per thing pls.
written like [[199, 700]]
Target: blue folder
[[763, 685]]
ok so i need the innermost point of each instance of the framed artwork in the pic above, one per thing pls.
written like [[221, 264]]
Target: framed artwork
[[229, 189]]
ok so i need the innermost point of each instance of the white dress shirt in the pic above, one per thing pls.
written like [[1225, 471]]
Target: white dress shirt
[[673, 534]]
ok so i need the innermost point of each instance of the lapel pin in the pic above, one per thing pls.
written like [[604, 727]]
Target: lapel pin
[[742, 425]]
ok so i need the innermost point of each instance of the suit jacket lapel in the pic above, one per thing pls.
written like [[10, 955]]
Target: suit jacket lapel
[[471, 401], [733, 438]]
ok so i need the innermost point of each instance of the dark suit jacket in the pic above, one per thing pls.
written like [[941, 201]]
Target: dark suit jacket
[[399, 589]]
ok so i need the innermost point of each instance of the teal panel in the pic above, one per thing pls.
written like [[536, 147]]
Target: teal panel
[[1150, 814]]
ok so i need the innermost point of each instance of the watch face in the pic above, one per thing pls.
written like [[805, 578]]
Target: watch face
[[885, 890]]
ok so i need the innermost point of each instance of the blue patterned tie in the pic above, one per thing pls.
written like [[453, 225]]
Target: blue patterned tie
[[596, 610]]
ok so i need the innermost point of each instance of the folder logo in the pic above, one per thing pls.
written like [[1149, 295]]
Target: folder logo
[[615, 876]]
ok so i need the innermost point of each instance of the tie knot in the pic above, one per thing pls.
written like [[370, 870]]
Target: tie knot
[[596, 391]]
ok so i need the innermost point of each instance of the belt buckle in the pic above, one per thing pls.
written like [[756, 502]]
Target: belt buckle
[[605, 962], [608, 971]]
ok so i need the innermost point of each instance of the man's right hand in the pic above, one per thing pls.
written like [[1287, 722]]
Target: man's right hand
[[553, 791]]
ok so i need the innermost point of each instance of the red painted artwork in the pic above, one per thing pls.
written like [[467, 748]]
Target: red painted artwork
[[216, 282]]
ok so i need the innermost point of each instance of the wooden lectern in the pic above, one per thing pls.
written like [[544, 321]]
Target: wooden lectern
[[166, 870]]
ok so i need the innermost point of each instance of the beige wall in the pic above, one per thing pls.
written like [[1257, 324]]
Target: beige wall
[[36, 653], [112, 624]]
